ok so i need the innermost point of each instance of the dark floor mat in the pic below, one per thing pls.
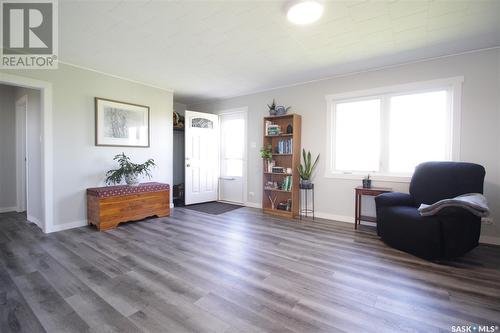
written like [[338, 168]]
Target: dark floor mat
[[214, 208]]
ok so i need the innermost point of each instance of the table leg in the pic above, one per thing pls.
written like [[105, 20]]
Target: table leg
[[300, 204], [313, 202], [356, 212]]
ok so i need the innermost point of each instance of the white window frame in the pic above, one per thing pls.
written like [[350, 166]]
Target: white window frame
[[453, 85]]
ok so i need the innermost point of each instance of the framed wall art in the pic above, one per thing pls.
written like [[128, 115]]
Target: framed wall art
[[120, 124]]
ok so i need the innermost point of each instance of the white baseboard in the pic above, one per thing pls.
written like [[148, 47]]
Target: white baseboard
[[492, 240], [65, 226], [253, 205], [8, 209], [334, 217], [35, 220], [341, 218]]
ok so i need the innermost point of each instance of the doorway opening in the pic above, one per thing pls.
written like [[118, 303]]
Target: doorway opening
[[39, 150], [209, 156], [21, 174]]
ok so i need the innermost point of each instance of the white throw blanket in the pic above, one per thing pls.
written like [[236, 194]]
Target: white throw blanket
[[474, 202]]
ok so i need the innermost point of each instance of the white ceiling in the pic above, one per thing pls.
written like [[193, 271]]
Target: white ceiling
[[218, 49]]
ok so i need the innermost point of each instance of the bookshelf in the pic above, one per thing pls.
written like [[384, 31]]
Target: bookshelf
[[286, 154]]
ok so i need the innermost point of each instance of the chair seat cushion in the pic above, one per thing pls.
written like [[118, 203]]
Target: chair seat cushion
[[403, 228]]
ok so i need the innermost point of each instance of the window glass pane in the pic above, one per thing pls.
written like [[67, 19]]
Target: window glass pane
[[418, 130], [234, 168], [357, 135], [233, 131], [202, 123]]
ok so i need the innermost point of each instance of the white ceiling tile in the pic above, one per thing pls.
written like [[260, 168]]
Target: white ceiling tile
[[412, 21], [368, 10], [214, 49], [404, 8]]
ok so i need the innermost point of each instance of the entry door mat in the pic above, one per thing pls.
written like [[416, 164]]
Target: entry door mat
[[213, 208]]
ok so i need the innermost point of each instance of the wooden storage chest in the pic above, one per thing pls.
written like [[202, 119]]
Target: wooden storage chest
[[109, 206]]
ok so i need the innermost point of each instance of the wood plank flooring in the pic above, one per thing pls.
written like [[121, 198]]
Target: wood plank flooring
[[237, 272]]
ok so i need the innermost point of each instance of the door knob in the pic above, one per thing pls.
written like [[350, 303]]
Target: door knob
[[188, 165]]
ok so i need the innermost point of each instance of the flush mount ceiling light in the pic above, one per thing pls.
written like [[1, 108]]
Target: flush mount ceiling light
[[304, 11]]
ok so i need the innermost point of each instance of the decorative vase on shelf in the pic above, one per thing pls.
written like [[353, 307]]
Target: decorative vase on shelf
[[131, 179]]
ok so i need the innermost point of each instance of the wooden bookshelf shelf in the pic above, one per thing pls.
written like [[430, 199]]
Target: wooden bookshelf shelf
[[291, 150], [278, 173], [275, 190], [278, 212], [279, 135]]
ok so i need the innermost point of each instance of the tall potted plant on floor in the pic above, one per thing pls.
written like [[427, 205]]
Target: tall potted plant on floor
[[306, 170]]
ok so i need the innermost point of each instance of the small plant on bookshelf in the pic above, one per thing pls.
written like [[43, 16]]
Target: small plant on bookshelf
[[267, 152], [306, 170]]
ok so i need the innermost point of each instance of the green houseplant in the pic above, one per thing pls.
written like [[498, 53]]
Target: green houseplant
[[306, 169], [128, 170], [267, 154]]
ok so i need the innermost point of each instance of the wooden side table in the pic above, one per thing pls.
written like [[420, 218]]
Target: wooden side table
[[360, 191]]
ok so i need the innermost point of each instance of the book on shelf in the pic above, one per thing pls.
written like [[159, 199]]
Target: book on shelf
[[272, 129], [287, 184], [285, 146]]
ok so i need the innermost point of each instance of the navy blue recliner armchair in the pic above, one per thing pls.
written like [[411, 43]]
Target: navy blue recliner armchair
[[451, 233]]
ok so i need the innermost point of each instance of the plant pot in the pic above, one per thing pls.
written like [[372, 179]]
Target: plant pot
[[367, 183], [306, 184], [132, 180]]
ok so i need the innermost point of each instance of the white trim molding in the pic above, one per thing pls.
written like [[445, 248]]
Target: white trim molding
[[334, 217], [253, 205], [117, 76], [47, 195], [36, 221], [8, 209], [66, 226], [491, 240], [453, 86]]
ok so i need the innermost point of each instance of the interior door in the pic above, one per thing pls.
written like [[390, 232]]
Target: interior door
[[233, 157], [201, 157]]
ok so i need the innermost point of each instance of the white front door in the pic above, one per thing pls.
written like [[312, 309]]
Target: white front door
[[233, 156], [202, 157]]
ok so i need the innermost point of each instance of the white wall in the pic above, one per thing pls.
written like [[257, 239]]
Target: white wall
[[34, 152], [335, 197], [78, 163], [7, 149]]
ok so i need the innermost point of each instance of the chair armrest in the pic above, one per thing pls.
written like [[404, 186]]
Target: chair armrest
[[394, 199]]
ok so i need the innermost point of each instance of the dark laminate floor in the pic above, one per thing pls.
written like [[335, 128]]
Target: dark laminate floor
[[236, 272]]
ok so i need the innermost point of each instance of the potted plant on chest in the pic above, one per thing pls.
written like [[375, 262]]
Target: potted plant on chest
[[129, 171], [306, 169]]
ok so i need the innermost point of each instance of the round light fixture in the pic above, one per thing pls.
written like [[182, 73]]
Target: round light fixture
[[304, 11]]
